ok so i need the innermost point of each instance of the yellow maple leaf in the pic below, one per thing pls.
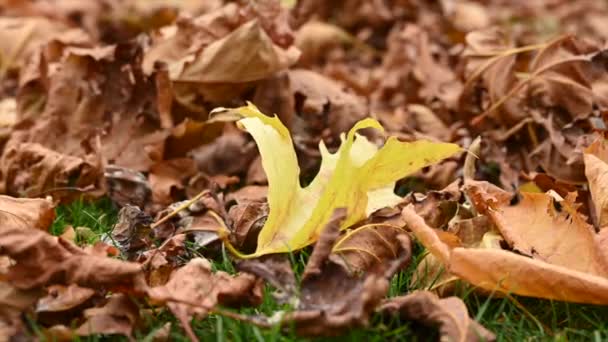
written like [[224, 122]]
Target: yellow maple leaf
[[359, 177]]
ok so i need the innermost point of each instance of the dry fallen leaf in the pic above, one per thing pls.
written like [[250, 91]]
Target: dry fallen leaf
[[554, 270], [194, 290], [118, 316], [61, 302], [325, 305], [449, 313], [42, 259], [596, 170], [26, 213]]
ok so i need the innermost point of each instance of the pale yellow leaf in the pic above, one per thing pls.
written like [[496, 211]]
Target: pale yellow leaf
[[359, 177]]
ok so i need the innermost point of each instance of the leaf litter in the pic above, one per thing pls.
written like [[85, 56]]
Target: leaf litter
[[256, 132]]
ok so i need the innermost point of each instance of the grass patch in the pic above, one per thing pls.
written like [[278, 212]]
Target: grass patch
[[510, 318], [99, 217]]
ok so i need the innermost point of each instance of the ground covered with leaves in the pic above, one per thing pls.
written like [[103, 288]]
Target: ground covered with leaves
[[285, 170]]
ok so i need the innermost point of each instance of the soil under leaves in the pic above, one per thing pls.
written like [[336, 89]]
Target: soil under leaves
[[429, 166]]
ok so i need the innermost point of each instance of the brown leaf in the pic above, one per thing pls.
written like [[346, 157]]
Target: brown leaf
[[450, 314], [247, 54], [42, 259], [467, 16], [26, 213], [174, 45], [485, 62], [247, 219], [277, 271], [20, 37], [62, 302], [229, 154], [567, 85], [550, 230], [126, 186], [596, 170], [194, 290], [132, 230], [497, 270], [360, 248], [159, 263], [426, 235], [62, 298], [170, 175], [118, 316], [323, 103], [13, 302], [427, 122], [32, 170], [326, 306], [274, 95], [316, 38], [251, 193]]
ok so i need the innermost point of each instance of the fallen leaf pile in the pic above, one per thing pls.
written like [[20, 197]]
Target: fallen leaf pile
[[338, 132]]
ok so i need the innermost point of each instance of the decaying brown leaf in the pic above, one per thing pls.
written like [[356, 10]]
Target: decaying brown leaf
[[553, 269], [596, 170], [33, 170], [169, 176], [325, 306], [42, 259], [450, 314], [118, 316], [26, 213], [132, 230], [194, 290], [62, 303]]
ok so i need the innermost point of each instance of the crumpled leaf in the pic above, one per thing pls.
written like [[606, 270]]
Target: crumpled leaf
[[220, 62], [26, 213], [596, 170], [42, 259], [160, 262], [490, 57], [450, 314], [126, 186], [554, 270], [62, 303], [118, 316], [21, 36], [169, 175], [62, 298], [550, 230], [322, 103], [358, 176], [13, 302], [32, 170], [324, 305], [314, 38], [132, 230], [194, 290], [276, 270]]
